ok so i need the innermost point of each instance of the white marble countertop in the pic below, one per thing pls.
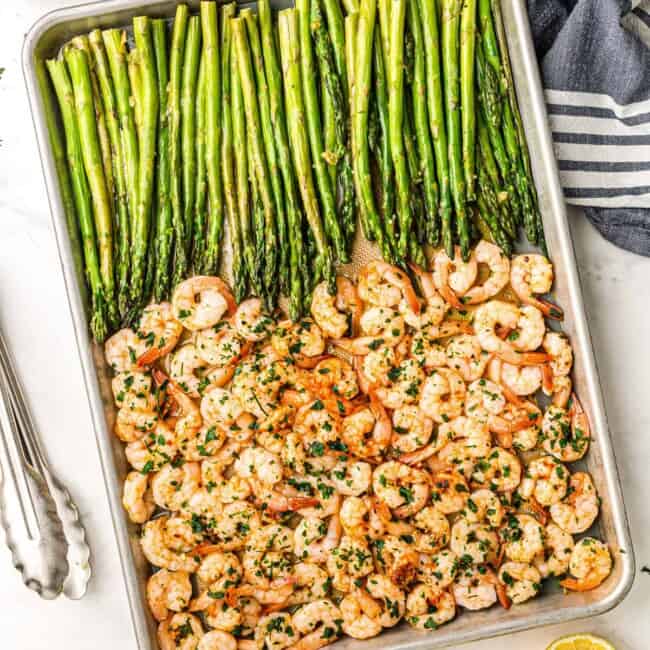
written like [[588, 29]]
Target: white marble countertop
[[34, 315]]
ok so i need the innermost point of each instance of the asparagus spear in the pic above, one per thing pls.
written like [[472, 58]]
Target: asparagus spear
[[290, 55], [450, 45], [241, 171], [269, 145], [263, 185], [313, 124], [135, 80], [201, 179], [79, 68], [259, 226], [336, 29], [396, 122], [351, 6], [115, 44], [105, 81], [164, 227], [99, 322], [489, 193], [334, 90], [227, 157], [176, 55], [467, 93], [189, 80], [213, 104], [429, 11], [385, 157], [142, 223], [525, 181], [489, 218], [297, 257], [421, 118], [360, 153], [330, 150], [488, 87]]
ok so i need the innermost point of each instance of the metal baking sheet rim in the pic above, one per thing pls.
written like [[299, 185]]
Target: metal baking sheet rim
[[530, 93]]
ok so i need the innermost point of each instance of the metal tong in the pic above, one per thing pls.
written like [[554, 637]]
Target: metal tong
[[41, 522]]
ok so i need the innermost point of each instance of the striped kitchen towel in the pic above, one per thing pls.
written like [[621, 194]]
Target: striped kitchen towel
[[595, 61]]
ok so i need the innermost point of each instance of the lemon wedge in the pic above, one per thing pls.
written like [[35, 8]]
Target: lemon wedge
[[581, 642]]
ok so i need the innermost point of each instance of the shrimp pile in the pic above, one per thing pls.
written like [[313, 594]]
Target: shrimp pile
[[385, 459]]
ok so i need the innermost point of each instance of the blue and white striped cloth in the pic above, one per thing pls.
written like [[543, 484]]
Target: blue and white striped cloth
[[595, 61]]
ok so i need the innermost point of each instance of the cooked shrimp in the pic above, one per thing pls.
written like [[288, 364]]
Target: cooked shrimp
[[477, 541], [380, 326], [137, 498], [403, 489], [439, 570], [531, 275], [523, 537], [275, 631], [135, 419], [220, 406], [462, 442], [219, 346], [454, 278], [201, 301], [153, 451], [320, 622], [566, 433], [235, 524], [427, 350], [361, 615], [558, 546], [217, 640], [168, 591], [443, 395], [180, 632], [160, 330], [251, 321], [428, 609], [546, 480], [412, 429], [317, 423], [449, 491], [465, 356], [498, 264], [351, 477], [590, 564], [302, 341], [131, 387], [374, 368], [348, 562], [259, 464], [172, 486], [123, 349], [478, 588], [484, 395], [520, 380], [337, 376], [383, 285], [404, 388], [435, 307], [315, 539], [484, 505], [579, 510], [309, 582], [338, 313], [168, 544], [368, 431], [499, 470], [183, 366], [431, 530], [396, 559], [391, 598], [522, 581], [267, 558]]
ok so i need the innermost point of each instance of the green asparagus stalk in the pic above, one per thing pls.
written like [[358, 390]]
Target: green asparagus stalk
[[201, 179], [269, 146], [189, 81], [421, 119], [180, 263], [361, 97], [241, 173], [488, 35], [351, 7], [334, 87], [467, 93], [336, 29], [489, 218], [227, 158], [396, 122], [259, 162], [142, 223], [331, 152], [258, 224], [489, 193], [107, 89], [135, 80], [297, 256], [79, 192], [488, 87], [164, 227], [387, 180], [450, 48], [78, 65], [115, 44], [290, 55], [213, 105], [435, 100], [314, 131]]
